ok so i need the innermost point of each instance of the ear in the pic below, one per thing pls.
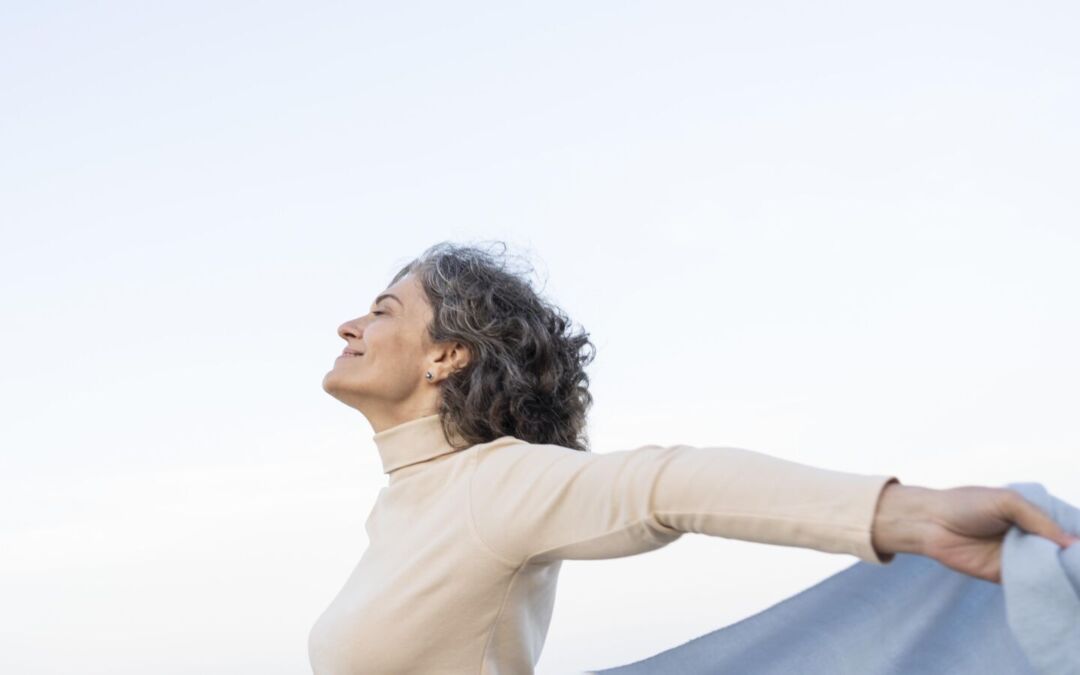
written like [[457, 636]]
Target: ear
[[452, 357], [459, 356]]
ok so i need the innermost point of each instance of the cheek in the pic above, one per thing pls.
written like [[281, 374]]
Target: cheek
[[393, 347]]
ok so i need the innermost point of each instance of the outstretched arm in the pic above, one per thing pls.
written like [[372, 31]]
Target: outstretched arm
[[535, 502]]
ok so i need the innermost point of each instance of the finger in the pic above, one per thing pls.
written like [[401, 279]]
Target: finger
[[1031, 518]]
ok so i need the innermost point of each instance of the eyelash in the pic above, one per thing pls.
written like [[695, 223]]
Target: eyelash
[[377, 313]]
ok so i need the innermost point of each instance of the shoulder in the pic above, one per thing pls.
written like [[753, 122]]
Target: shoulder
[[510, 450], [514, 455]]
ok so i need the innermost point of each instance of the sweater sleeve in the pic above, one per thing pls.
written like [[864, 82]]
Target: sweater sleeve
[[538, 502]]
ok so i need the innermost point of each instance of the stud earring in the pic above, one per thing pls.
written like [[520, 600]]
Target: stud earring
[[429, 374]]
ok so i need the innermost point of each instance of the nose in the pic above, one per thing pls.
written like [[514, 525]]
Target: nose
[[350, 330]]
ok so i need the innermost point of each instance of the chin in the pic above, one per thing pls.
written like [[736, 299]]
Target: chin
[[330, 382], [336, 384]]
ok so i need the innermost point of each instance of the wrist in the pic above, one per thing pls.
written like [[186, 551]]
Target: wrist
[[902, 520]]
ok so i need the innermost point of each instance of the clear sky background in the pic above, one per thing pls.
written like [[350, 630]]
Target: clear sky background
[[841, 233]]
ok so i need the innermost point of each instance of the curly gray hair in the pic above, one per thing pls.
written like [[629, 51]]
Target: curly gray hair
[[526, 375]]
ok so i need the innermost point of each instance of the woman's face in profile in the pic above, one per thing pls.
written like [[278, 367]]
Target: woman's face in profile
[[392, 342]]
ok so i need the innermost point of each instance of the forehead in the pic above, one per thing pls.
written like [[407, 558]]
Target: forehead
[[407, 288]]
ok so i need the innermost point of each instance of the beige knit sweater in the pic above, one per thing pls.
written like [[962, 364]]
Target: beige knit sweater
[[465, 547]]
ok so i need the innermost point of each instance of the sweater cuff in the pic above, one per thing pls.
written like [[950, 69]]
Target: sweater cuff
[[865, 550]]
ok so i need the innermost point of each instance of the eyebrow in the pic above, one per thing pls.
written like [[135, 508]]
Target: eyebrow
[[389, 295]]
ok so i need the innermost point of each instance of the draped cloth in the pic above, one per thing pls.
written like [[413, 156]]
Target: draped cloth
[[913, 615]]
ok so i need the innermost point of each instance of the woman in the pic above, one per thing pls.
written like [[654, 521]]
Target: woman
[[476, 390]]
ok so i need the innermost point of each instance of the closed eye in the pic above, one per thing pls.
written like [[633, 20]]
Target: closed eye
[[377, 313]]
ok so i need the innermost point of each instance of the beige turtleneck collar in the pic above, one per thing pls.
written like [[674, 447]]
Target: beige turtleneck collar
[[417, 440]]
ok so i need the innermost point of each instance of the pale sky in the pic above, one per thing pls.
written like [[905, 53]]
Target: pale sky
[[841, 233]]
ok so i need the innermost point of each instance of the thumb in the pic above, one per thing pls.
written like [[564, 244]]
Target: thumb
[[1034, 520]]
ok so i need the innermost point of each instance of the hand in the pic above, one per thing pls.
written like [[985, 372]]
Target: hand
[[962, 528]]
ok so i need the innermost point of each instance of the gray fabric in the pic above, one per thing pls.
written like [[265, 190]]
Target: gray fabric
[[912, 615]]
